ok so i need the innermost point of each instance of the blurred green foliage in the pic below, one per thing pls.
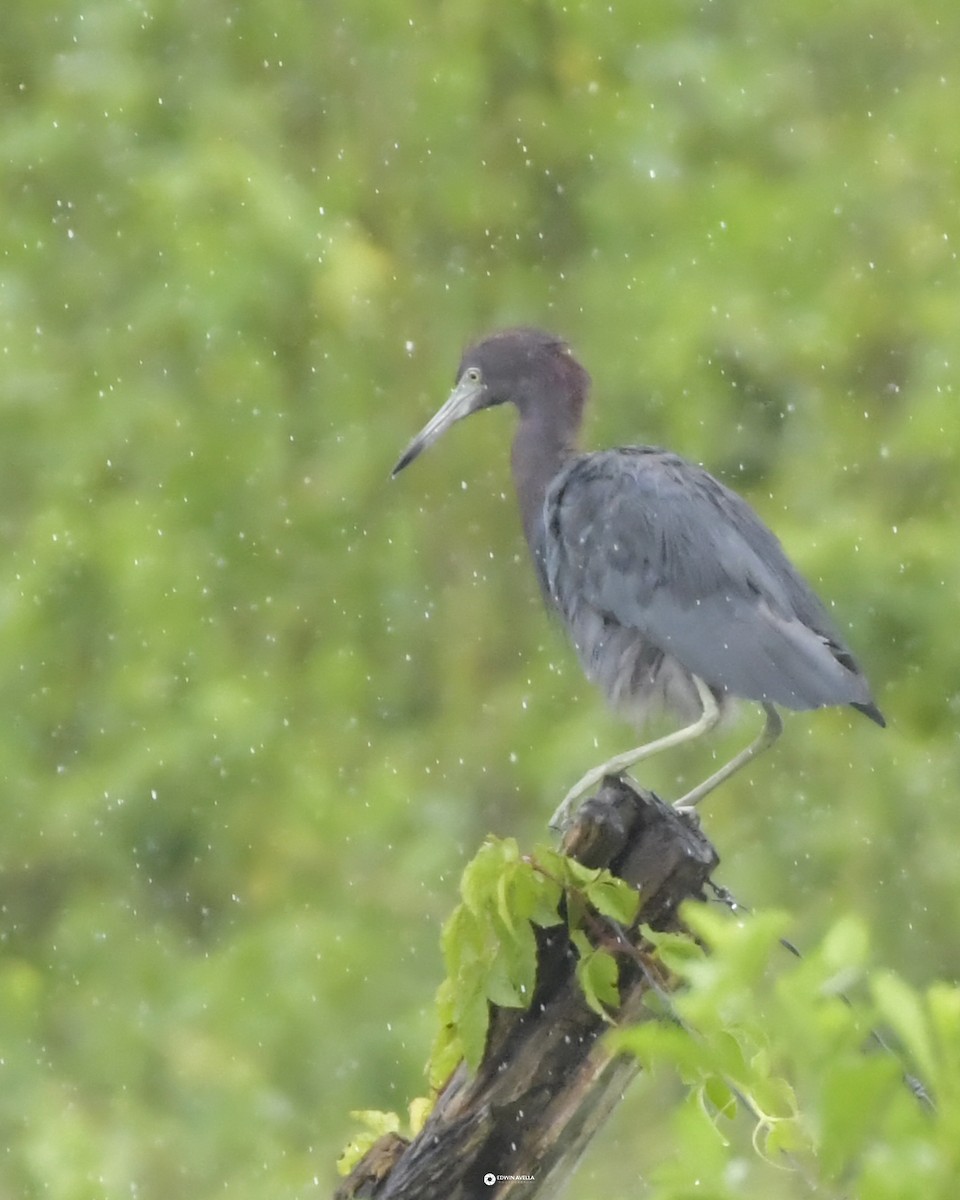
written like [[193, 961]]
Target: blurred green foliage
[[260, 704], [790, 1091]]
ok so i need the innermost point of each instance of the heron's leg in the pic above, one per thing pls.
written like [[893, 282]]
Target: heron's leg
[[772, 728], [622, 762]]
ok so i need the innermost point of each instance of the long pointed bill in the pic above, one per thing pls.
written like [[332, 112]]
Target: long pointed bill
[[465, 398]]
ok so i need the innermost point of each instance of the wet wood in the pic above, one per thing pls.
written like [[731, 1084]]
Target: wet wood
[[547, 1082]]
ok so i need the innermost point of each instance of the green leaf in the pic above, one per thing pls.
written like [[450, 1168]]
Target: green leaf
[[463, 941], [447, 1049], [513, 971], [446, 1055], [574, 874], [536, 897], [943, 1004], [655, 1043], [375, 1125], [489, 948], [854, 1094], [701, 1165], [901, 1008], [473, 1019], [481, 876], [378, 1123], [418, 1110], [785, 1135], [503, 891], [727, 1056], [846, 944], [717, 1093], [842, 956], [675, 950], [773, 1095], [614, 898], [598, 974]]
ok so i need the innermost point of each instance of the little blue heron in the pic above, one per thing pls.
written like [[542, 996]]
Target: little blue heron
[[673, 590]]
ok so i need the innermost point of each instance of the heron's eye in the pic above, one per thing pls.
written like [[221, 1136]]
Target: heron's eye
[[472, 374]]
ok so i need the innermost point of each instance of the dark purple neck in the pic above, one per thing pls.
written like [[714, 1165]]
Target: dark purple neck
[[546, 437]]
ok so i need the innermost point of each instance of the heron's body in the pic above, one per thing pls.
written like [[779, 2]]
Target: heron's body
[[671, 587], [663, 574]]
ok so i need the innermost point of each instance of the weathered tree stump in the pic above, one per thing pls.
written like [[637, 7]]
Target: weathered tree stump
[[547, 1082]]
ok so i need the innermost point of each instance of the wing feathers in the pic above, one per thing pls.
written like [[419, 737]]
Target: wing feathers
[[657, 545]]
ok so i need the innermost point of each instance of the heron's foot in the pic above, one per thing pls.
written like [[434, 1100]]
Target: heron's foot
[[571, 801], [687, 813], [621, 763]]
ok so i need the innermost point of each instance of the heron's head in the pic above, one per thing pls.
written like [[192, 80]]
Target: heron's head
[[525, 367]]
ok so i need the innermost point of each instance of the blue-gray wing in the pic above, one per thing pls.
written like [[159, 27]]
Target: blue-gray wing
[[641, 540]]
